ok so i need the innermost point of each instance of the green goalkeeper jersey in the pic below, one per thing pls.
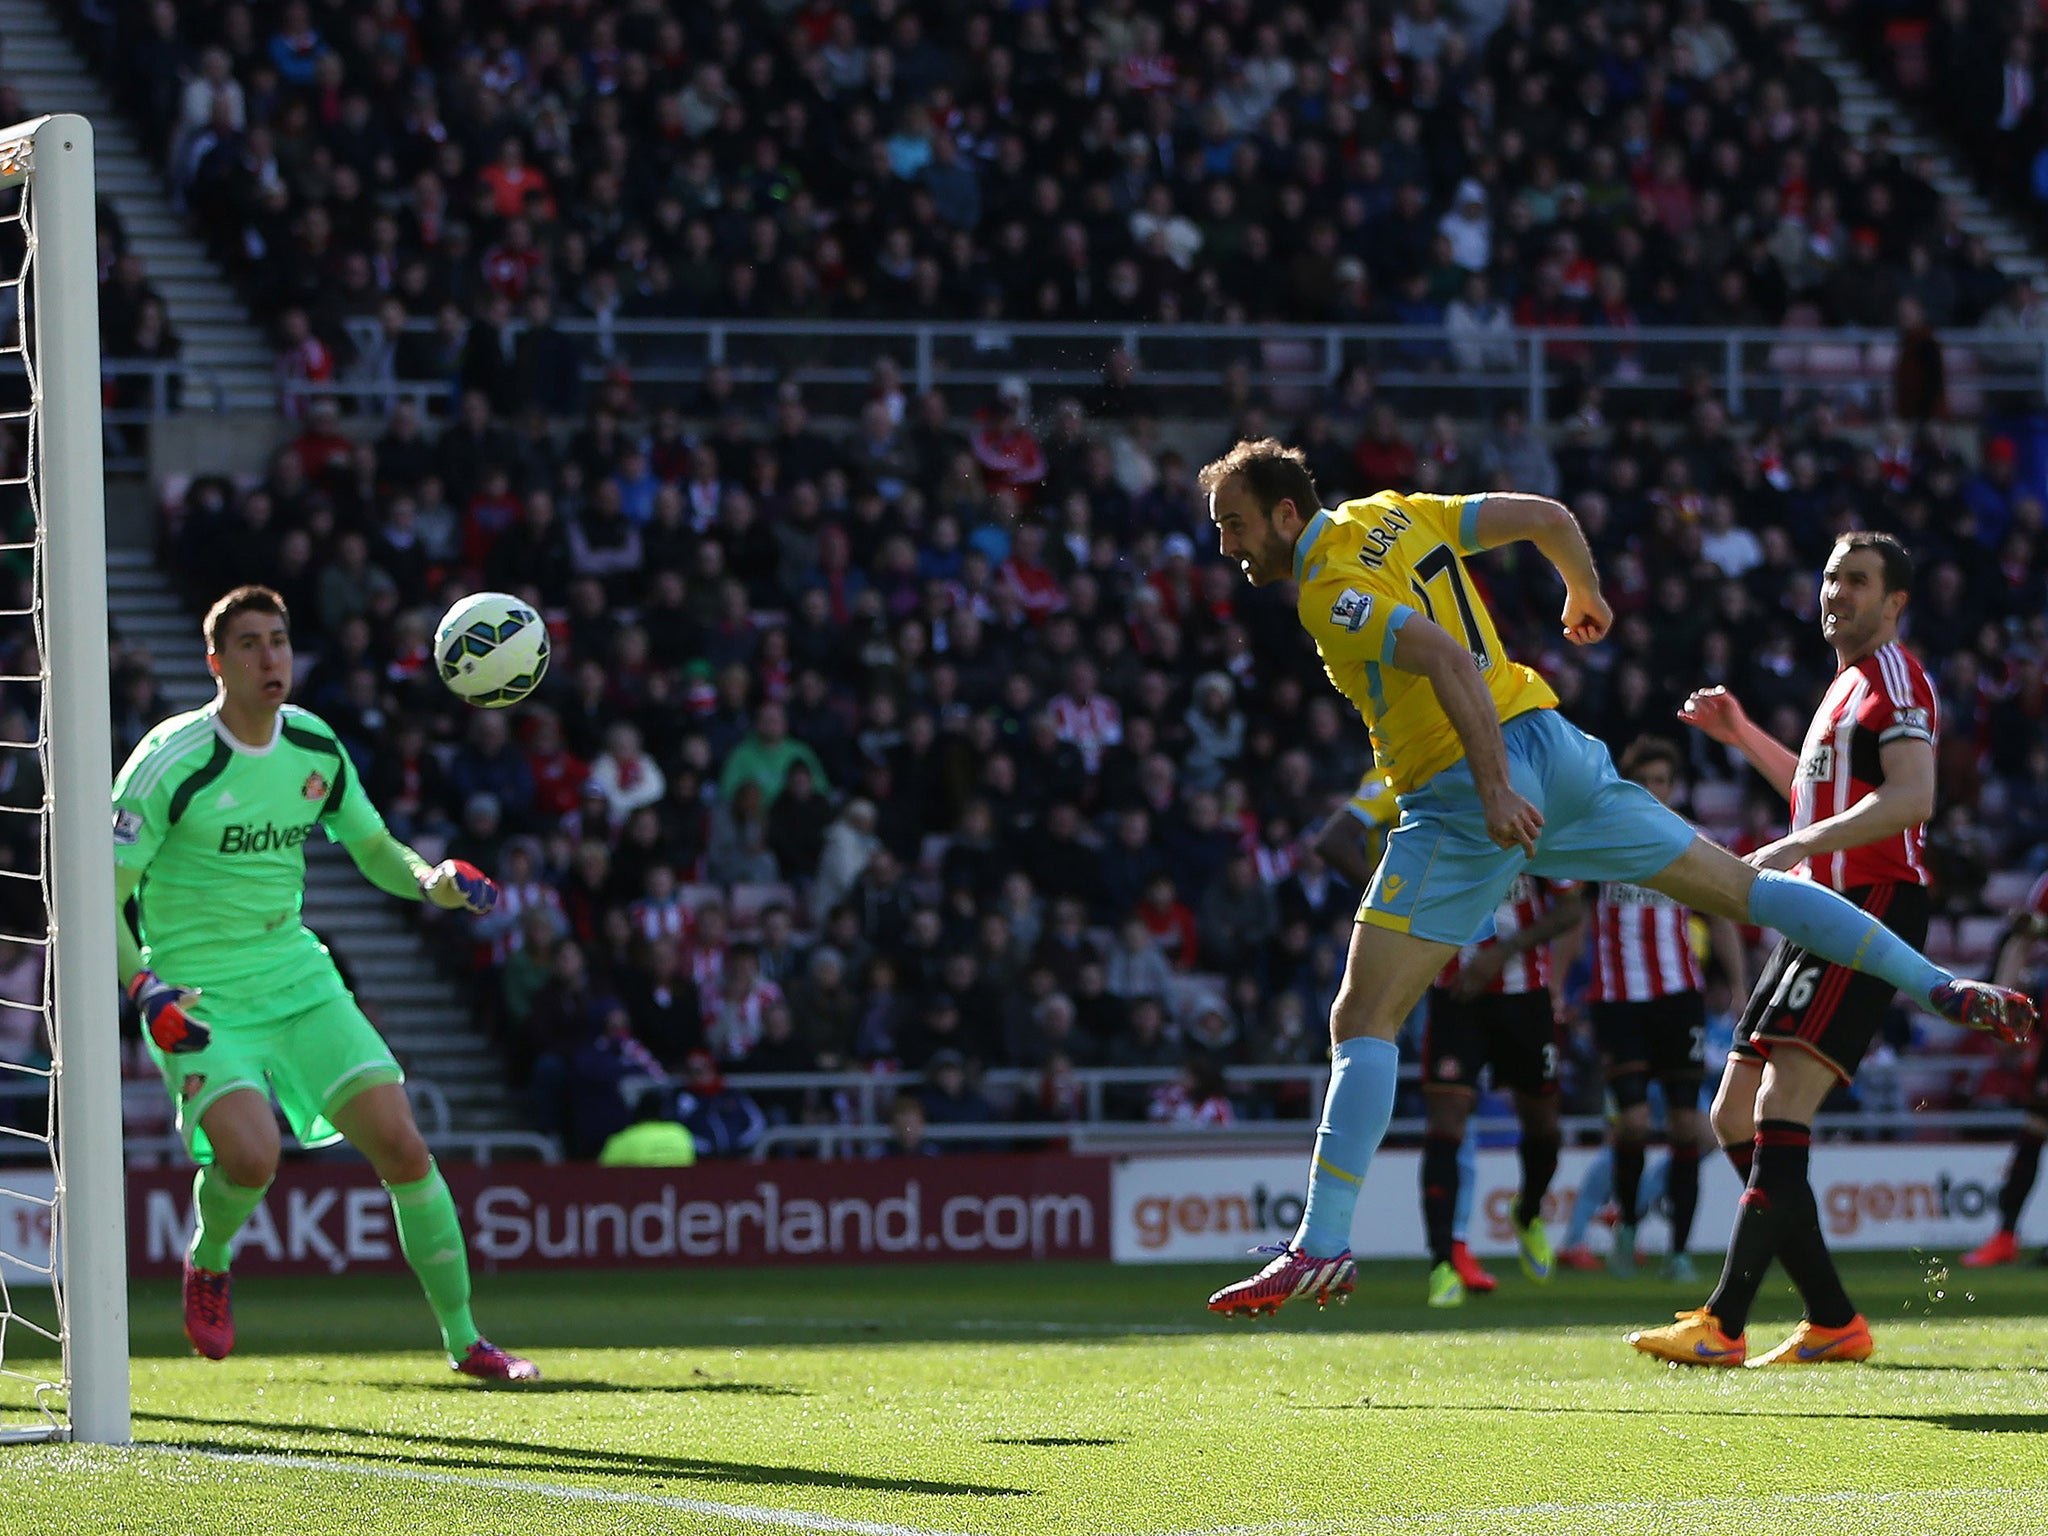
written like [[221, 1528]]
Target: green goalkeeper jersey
[[218, 829]]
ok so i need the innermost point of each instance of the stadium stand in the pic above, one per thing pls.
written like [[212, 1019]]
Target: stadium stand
[[932, 726], [1978, 67]]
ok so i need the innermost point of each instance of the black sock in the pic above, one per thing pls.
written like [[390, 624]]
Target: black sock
[[1770, 1204], [1741, 1156], [1539, 1167], [1439, 1194], [1628, 1179], [1682, 1188], [1803, 1248], [2019, 1181]]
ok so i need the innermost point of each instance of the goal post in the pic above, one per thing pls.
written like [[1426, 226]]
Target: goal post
[[50, 161]]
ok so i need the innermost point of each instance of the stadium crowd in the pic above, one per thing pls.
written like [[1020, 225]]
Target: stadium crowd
[[1130, 161], [942, 739]]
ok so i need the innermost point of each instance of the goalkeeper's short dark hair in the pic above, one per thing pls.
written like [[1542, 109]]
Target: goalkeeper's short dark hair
[[245, 599]]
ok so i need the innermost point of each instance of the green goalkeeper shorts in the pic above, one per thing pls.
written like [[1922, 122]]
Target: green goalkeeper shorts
[[311, 1064]]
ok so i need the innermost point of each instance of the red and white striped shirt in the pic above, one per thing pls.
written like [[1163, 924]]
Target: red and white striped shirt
[[1527, 899], [669, 920], [1883, 698], [1091, 725], [514, 902], [733, 1025], [1642, 946]]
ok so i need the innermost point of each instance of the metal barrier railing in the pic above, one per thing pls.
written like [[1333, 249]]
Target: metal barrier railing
[[1182, 366], [196, 387], [1111, 1138]]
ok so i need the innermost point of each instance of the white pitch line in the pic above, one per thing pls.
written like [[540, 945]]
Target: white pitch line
[[1861, 1498], [792, 1519]]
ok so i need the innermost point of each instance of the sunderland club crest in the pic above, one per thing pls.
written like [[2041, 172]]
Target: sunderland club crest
[[316, 786]]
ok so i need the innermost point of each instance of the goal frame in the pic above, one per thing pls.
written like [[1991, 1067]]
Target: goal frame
[[54, 154]]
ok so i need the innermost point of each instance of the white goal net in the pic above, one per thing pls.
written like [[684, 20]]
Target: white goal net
[[63, 1319]]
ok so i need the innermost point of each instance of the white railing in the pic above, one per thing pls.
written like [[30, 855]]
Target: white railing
[[1114, 1138], [1760, 369]]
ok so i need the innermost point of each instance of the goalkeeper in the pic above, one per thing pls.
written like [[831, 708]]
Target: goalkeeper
[[241, 1002]]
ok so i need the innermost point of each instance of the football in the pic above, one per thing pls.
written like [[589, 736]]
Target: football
[[491, 649]]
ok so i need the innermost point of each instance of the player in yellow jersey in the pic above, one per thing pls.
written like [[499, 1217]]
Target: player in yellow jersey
[[1492, 783]]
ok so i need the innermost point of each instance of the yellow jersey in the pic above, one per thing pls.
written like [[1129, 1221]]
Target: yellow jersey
[[1362, 570]]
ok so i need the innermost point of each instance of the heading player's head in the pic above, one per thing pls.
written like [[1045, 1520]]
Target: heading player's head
[[1655, 763], [1261, 496], [249, 647], [1862, 593]]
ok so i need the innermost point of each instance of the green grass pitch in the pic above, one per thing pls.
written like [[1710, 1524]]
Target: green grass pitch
[[1060, 1399]]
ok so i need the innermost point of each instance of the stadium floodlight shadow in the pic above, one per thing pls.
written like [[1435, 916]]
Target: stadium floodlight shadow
[[389, 1451]]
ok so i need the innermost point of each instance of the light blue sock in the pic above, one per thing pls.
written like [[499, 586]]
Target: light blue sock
[[1595, 1190], [1815, 918], [1468, 1182], [1355, 1116], [1652, 1188]]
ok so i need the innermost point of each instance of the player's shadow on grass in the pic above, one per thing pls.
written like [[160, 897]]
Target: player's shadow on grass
[[552, 1384], [534, 1457], [1050, 1440]]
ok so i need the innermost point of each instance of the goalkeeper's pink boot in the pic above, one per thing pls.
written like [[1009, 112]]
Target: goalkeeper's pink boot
[[209, 1311], [1292, 1273], [487, 1362]]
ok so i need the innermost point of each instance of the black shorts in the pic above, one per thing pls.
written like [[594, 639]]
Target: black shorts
[[1515, 1033], [2039, 1104], [1829, 1010], [1665, 1039]]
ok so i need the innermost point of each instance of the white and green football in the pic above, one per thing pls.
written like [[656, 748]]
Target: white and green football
[[491, 650]]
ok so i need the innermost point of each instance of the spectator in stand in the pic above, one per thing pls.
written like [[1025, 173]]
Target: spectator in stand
[[949, 1099], [1009, 454], [767, 754], [624, 776], [723, 1121], [1136, 967], [1196, 1096], [734, 1012]]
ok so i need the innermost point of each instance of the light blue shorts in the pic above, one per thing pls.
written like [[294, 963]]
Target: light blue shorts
[[1441, 876]]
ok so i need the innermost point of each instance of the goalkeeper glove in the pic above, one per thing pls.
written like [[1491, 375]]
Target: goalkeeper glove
[[457, 883], [162, 1007]]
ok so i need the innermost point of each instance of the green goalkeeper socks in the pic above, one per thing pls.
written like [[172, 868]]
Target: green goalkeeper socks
[[430, 1233], [218, 1210]]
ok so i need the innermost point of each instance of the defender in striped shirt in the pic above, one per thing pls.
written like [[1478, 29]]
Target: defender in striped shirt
[[1862, 790], [1491, 1007], [1650, 1018]]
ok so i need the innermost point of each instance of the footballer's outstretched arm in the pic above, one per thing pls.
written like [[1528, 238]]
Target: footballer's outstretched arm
[[1427, 649], [391, 866], [1508, 517], [1905, 799]]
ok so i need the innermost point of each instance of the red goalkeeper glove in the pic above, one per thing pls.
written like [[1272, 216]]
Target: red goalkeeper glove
[[459, 883], [162, 1007]]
